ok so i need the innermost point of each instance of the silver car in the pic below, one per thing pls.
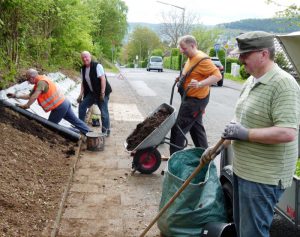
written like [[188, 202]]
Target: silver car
[[155, 63]]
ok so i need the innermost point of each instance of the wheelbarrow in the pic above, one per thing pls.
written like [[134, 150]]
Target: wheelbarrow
[[146, 157]]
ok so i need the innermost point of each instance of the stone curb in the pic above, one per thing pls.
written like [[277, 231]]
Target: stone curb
[[56, 224], [66, 192]]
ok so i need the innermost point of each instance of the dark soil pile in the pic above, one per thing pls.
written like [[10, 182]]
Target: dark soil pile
[[145, 128], [34, 167]]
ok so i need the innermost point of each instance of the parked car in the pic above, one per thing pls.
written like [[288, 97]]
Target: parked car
[[219, 65], [155, 63]]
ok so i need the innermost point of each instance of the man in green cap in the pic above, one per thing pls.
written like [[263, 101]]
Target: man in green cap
[[264, 134]]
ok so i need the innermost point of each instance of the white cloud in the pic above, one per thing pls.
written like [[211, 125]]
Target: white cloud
[[210, 12]]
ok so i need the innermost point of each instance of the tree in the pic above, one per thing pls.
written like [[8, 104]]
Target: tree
[[177, 24], [43, 30], [110, 25], [291, 12], [52, 33], [142, 42], [206, 37]]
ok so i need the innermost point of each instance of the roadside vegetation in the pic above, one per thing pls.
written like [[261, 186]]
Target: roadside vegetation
[[50, 34]]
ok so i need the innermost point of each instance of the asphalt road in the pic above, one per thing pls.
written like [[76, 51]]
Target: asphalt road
[[154, 88]]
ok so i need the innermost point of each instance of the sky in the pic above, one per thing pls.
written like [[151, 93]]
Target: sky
[[210, 12]]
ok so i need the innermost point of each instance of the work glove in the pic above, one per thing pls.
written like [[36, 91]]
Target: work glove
[[101, 98], [206, 156], [11, 95], [236, 131], [79, 99]]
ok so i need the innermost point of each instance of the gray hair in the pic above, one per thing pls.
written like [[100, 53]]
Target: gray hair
[[86, 53], [272, 52], [31, 73], [188, 39]]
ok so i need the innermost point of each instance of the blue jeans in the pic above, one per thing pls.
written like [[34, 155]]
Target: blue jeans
[[87, 102], [64, 111], [253, 207]]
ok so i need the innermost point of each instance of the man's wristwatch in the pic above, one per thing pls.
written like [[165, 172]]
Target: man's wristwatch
[[200, 84]]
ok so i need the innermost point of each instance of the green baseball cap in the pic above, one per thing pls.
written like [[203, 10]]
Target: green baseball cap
[[253, 41]]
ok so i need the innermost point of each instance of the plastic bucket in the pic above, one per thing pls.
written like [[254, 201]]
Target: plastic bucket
[[95, 141]]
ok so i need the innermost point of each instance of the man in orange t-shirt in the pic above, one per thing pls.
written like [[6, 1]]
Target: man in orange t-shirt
[[197, 96]]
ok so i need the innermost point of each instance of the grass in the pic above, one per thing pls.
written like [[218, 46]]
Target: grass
[[297, 172], [233, 78]]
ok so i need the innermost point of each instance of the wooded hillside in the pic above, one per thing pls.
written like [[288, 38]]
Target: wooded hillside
[[275, 25], [52, 33]]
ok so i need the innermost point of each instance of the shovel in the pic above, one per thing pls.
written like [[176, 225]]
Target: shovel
[[215, 151]]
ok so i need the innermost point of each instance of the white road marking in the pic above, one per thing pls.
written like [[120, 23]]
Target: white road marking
[[126, 112], [142, 89]]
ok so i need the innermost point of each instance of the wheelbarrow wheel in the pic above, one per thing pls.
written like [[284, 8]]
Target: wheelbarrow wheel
[[147, 161]]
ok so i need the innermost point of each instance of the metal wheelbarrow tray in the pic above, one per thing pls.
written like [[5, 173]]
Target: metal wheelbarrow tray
[[146, 157]]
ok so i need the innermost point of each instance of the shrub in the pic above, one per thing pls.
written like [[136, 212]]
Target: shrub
[[175, 52], [212, 52], [221, 56], [229, 61], [144, 64], [157, 52], [167, 62], [131, 65], [7, 74], [244, 74], [281, 61]]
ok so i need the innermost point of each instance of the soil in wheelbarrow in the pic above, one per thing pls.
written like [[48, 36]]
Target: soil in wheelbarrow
[[35, 165], [145, 128]]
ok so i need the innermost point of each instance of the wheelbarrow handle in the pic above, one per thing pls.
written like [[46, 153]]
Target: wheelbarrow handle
[[202, 163], [172, 92]]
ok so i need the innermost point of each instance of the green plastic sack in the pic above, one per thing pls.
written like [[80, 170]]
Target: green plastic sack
[[202, 201]]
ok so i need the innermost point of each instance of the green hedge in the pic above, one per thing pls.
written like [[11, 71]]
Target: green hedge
[[244, 74], [131, 65], [167, 62], [229, 61], [175, 52], [172, 62], [143, 64]]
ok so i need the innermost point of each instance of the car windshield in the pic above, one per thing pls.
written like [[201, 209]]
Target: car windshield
[[156, 59]]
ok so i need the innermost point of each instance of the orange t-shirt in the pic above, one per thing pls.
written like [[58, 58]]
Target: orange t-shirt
[[202, 71]]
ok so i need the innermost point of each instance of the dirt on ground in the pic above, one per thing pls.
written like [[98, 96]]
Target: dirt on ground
[[146, 127], [35, 165]]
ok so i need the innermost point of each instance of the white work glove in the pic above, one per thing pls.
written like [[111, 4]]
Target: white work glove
[[236, 131], [206, 156]]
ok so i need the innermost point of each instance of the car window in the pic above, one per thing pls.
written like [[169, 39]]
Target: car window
[[156, 59]]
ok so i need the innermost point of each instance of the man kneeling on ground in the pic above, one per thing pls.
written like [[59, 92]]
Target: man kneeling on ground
[[50, 99]]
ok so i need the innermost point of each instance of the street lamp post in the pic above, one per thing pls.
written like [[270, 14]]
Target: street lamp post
[[183, 15], [181, 8]]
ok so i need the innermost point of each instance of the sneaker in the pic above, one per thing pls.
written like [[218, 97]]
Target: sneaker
[[107, 133]]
